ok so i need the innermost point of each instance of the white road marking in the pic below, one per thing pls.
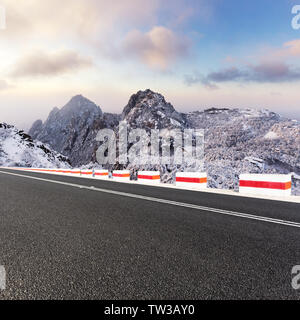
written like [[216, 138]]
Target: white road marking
[[164, 201], [2, 278]]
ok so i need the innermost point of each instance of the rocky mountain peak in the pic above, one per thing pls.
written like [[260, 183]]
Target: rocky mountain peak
[[79, 105], [150, 109], [147, 100], [72, 129]]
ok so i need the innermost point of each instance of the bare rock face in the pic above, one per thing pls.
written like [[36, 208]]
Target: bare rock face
[[18, 149], [36, 128], [72, 130], [236, 140], [148, 109]]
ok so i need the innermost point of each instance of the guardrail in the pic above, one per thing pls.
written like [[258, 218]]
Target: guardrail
[[149, 177], [191, 179], [252, 184], [266, 184], [121, 175]]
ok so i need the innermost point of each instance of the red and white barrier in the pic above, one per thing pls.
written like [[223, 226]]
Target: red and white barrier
[[150, 177], [87, 173], [49, 171], [41, 170], [101, 174], [69, 172], [266, 184], [279, 185], [121, 175], [75, 172], [191, 179]]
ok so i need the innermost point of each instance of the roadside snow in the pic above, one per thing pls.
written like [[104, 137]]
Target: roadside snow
[[17, 149], [271, 135]]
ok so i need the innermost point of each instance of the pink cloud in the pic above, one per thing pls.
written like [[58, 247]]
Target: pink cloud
[[158, 48], [40, 63], [288, 50]]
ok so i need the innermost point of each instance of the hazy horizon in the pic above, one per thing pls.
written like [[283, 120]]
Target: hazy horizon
[[44, 112]]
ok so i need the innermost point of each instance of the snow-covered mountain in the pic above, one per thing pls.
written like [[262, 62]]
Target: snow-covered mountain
[[72, 130], [236, 140], [149, 110], [17, 149], [247, 141]]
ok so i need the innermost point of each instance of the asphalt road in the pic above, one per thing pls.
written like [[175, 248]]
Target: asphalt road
[[59, 241]]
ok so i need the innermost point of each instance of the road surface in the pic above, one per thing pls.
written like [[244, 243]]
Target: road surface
[[73, 238]]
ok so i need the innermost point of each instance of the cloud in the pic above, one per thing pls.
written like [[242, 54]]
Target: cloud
[[4, 85], [79, 18], [158, 48], [113, 30], [265, 72], [290, 49], [275, 65], [40, 63], [120, 30], [210, 80], [94, 17], [273, 72]]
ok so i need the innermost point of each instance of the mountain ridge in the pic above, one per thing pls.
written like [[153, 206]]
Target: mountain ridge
[[234, 137]]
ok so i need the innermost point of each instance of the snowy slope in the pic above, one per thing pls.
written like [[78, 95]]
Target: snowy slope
[[17, 149], [247, 141]]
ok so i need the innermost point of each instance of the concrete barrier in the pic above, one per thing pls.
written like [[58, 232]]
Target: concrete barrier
[[49, 171], [42, 170], [101, 174], [75, 172], [191, 179], [278, 185], [68, 172], [87, 173], [149, 177], [121, 175], [266, 184]]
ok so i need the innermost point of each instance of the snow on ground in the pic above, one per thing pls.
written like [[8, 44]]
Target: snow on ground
[[271, 135], [17, 149]]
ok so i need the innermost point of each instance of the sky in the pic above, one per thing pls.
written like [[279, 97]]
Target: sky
[[197, 53]]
